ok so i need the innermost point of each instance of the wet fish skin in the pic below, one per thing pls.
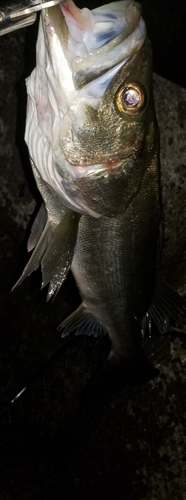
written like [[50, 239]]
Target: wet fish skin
[[115, 258], [97, 167], [124, 145], [115, 265], [116, 255]]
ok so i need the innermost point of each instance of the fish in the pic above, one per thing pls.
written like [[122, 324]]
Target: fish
[[93, 141]]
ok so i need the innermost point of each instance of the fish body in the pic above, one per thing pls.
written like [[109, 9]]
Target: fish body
[[115, 268], [93, 140]]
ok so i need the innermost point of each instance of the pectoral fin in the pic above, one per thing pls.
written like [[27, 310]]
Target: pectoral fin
[[39, 250], [54, 251], [37, 228], [57, 259]]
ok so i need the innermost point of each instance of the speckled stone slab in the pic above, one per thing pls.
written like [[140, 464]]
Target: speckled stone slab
[[15, 194], [133, 446], [170, 102]]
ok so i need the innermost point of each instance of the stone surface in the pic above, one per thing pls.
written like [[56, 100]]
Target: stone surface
[[170, 102], [52, 446]]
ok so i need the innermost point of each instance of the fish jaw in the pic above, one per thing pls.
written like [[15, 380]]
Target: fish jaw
[[105, 190], [62, 114]]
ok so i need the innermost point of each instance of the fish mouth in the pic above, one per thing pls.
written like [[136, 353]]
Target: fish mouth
[[87, 170], [80, 20], [96, 41]]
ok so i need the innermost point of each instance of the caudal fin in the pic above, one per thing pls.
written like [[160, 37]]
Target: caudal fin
[[116, 374]]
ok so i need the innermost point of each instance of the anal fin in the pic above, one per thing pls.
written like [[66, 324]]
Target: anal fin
[[82, 323]]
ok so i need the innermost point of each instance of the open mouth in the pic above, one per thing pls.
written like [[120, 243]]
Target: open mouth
[[75, 15], [96, 41], [102, 24]]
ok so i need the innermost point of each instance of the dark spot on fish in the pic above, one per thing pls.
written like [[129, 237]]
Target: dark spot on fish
[[172, 185]]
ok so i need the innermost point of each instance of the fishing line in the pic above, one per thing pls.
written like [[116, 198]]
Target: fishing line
[[39, 372]]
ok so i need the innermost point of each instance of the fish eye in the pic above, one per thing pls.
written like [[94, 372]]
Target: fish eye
[[130, 99]]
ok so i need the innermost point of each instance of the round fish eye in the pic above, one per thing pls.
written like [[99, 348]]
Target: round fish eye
[[130, 99]]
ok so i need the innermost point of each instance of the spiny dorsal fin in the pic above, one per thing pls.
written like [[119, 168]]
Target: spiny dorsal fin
[[82, 322]]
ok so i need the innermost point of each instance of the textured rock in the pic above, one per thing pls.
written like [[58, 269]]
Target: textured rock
[[15, 196], [133, 446], [171, 113]]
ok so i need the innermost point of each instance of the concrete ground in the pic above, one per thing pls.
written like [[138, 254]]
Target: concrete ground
[[132, 446]]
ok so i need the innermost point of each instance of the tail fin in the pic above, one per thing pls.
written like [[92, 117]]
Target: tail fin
[[116, 374]]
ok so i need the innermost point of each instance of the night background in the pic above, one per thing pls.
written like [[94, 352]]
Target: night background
[[131, 447]]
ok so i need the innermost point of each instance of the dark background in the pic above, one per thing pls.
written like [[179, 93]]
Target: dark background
[[51, 446], [166, 21]]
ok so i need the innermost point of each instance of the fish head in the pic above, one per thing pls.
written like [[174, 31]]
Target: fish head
[[92, 91]]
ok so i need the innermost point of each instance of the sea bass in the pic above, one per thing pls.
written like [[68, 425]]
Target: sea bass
[[93, 141]]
